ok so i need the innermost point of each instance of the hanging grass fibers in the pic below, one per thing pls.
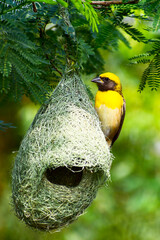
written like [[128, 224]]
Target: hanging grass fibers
[[62, 161]]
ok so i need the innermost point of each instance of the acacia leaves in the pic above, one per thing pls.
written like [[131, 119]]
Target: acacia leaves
[[84, 7], [151, 74], [37, 41], [20, 66]]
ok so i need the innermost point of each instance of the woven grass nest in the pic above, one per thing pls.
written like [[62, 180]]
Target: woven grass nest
[[62, 161]]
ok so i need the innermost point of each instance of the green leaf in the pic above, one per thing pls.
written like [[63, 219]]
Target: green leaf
[[89, 12], [63, 3], [133, 32], [21, 66], [144, 79], [91, 16], [53, 2], [78, 4], [84, 51], [156, 22]]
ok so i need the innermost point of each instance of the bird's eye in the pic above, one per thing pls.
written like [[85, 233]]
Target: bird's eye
[[105, 79]]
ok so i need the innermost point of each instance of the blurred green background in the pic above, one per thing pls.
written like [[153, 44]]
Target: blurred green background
[[129, 207]]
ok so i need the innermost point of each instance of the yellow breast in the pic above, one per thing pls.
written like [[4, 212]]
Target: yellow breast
[[111, 99], [109, 106]]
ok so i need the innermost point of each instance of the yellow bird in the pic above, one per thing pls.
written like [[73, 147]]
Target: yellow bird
[[110, 105]]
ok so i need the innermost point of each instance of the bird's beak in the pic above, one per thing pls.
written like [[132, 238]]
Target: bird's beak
[[97, 80]]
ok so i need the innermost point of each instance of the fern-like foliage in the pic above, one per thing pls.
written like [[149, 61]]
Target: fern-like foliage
[[90, 14], [152, 8], [133, 32], [36, 41], [19, 65], [84, 7], [151, 75]]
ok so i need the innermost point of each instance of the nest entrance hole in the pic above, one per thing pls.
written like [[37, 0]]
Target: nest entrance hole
[[65, 176]]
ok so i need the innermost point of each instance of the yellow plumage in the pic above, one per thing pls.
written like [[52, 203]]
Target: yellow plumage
[[110, 105], [111, 99]]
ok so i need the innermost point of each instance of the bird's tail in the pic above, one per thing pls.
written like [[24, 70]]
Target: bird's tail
[[109, 141]]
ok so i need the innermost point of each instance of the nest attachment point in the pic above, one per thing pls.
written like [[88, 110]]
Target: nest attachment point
[[62, 161]]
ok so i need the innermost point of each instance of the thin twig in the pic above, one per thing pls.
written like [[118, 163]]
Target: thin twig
[[51, 61], [52, 64], [34, 7]]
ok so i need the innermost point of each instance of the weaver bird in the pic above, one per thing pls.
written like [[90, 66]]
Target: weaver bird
[[110, 105]]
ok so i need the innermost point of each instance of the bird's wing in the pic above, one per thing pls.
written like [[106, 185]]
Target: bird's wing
[[121, 122]]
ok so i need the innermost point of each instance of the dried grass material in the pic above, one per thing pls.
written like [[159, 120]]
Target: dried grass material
[[62, 160]]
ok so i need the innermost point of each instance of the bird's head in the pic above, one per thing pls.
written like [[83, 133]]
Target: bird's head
[[108, 81]]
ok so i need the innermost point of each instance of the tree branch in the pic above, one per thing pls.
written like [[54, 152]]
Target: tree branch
[[107, 3], [34, 7], [51, 61], [52, 64]]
